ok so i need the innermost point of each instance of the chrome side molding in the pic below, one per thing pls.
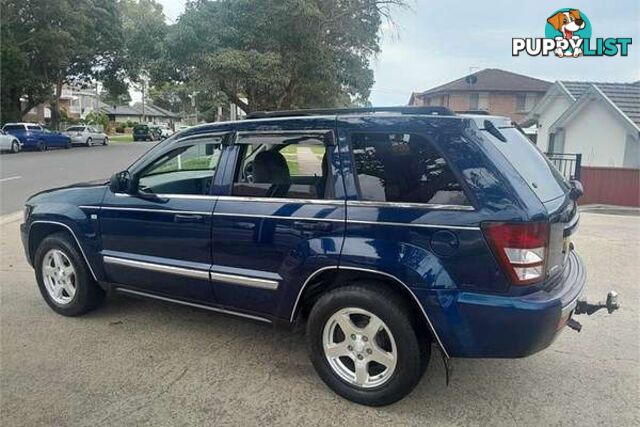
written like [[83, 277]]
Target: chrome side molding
[[251, 282], [161, 268]]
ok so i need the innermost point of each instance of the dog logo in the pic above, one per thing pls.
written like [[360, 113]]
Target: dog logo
[[567, 34], [569, 23]]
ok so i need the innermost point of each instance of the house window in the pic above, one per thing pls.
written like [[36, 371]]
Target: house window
[[521, 101], [474, 101]]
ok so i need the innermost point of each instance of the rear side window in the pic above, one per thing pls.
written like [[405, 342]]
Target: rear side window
[[400, 167], [533, 166], [9, 128], [75, 129], [32, 127]]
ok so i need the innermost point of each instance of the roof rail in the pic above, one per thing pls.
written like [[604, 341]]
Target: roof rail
[[475, 112], [431, 110]]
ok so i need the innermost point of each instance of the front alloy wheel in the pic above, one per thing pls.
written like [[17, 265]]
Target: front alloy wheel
[[63, 277], [59, 276]]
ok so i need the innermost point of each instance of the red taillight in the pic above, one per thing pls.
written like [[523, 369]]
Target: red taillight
[[521, 249]]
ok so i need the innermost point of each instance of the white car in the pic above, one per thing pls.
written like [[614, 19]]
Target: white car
[[86, 135], [9, 142], [165, 132]]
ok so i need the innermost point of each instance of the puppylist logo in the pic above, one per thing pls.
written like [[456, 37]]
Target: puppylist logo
[[567, 34]]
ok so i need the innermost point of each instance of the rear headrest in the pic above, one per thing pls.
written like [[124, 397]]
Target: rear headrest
[[270, 167]]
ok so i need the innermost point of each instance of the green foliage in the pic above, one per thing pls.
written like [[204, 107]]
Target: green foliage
[[57, 42], [279, 53], [97, 118]]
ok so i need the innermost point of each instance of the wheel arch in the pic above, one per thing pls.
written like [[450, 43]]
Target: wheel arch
[[41, 229], [328, 278]]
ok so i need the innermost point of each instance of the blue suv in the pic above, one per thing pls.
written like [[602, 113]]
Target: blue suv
[[384, 231]]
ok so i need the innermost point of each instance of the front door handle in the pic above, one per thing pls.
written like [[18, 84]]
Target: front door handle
[[312, 226], [188, 218]]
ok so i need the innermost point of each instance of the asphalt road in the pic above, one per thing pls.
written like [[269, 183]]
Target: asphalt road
[[28, 172], [138, 362]]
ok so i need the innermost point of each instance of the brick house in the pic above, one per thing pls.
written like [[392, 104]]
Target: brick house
[[497, 91]]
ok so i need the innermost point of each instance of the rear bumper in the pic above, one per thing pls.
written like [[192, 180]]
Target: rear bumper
[[509, 327]]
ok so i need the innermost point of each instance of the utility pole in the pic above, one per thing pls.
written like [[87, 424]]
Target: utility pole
[[144, 120]]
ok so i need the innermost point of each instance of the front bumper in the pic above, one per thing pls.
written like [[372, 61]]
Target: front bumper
[[481, 325]]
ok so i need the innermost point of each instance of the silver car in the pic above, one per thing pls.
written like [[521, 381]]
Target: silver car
[[9, 142], [86, 135]]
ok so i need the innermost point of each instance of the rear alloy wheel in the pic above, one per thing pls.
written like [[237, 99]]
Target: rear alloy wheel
[[42, 146], [15, 147], [363, 344], [88, 143]]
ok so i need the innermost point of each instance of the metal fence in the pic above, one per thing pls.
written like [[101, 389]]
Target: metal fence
[[568, 164]]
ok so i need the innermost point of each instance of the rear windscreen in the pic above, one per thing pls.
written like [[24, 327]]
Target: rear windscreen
[[534, 167]]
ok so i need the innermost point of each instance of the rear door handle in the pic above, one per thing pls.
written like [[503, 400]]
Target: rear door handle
[[312, 226], [188, 218]]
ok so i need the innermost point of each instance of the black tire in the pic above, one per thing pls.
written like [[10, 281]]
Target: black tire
[[89, 294], [15, 147], [105, 141], [42, 146], [67, 145], [412, 351], [89, 141]]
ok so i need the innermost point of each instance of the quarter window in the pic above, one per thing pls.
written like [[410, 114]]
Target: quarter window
[[399, 167], [292, 166], [184, 170]]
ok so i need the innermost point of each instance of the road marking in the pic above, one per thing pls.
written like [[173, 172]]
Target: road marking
[[10, 178]]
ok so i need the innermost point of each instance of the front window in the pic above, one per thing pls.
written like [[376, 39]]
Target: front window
[[292, 166], [400, 167], [185, 170]]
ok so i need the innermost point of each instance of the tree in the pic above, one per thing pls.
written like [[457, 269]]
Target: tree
[[60, 41], [144, 29], [279, 53]]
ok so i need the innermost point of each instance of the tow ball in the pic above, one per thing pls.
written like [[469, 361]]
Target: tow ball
[[585, 307]]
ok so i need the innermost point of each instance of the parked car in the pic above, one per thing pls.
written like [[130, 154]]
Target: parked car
[[383, 230], [34, 136], [143, 132], [165, 132], [86, 135], [9, 143]]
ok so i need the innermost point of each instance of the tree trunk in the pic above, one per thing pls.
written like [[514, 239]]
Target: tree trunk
[[55, 106]]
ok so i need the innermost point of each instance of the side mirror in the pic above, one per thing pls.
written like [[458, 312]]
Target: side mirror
[[121, 182], [577, 190]]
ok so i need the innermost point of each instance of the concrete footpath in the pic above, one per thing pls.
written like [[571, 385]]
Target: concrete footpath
[[136, 362]]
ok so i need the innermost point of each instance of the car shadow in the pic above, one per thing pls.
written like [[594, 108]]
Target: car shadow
[[490, 387]]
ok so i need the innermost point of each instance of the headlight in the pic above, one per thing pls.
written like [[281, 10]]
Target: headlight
[[27, 212]]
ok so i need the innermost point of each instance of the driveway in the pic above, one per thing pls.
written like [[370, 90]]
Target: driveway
[[137, 362]]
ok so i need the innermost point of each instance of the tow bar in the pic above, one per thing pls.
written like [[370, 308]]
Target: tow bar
[[584, 307]]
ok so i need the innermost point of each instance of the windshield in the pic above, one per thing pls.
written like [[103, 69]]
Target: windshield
[[532, 165]]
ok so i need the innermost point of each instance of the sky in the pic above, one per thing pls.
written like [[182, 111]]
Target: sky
[[433, 42]]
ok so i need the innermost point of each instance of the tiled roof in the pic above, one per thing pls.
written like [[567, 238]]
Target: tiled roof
[[625, 96], [493, 79], [136, 110], [121, 110]]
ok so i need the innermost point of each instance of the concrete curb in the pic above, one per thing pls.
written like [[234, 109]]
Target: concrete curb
[[9, 218]]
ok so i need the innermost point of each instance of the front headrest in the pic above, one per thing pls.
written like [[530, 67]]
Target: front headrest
[[270, 167]]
